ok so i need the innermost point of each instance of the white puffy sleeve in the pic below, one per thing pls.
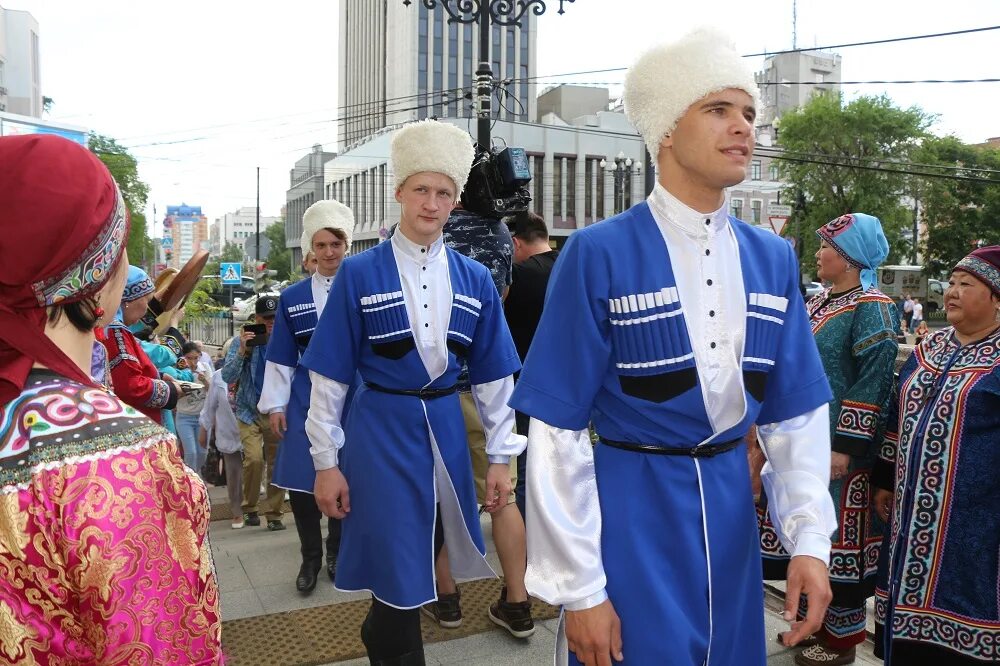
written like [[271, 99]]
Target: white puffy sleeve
[[277, 388], [796, 478], [563, 519], [326, 404], [498, 419]]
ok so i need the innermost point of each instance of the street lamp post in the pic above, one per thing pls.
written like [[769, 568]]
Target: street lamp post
[[621, 171], [485, 12]]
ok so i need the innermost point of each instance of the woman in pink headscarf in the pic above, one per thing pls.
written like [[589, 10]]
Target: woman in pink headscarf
[[103, 550]]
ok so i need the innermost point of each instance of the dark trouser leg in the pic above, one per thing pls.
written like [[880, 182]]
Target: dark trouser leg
[[333, 538], [843, 627], [307, 522], [521, 421], [392, 636]]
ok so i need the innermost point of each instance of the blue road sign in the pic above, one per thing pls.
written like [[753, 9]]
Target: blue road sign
[[231, 272]]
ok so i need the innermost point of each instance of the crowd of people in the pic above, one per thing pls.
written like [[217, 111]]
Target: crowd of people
[[613, 407]]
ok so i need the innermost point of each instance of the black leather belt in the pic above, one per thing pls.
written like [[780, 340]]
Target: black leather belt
[[700, 451], [423, 394]]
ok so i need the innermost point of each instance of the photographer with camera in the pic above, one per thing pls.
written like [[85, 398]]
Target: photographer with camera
[[244, 366]]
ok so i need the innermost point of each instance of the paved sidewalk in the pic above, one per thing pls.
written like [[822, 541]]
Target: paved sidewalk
[[257, 570]]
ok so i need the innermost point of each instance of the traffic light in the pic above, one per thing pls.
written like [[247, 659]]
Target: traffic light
[[169, 255], [262, 277]]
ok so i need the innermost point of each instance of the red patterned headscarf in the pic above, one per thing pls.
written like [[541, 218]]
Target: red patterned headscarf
[[64, 225]]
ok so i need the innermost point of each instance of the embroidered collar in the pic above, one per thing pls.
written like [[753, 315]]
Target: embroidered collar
[[681, 216], [418, 253]]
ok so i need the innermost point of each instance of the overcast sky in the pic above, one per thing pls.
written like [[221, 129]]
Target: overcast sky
[[203, 92]]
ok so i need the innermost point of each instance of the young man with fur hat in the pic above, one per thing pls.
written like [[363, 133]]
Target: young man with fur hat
[[687, 326], [402, 315], [327, 227]]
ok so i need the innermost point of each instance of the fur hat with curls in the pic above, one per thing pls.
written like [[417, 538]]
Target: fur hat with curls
[[430, 145], [326, 214], [669, 78]]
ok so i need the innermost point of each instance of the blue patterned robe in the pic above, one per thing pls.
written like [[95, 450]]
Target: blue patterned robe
[[939, 583], [855, 333]]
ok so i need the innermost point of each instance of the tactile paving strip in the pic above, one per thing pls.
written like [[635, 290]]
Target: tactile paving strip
[[313, 636]]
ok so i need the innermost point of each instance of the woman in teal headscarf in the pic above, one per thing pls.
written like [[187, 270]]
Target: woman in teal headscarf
[[134, 377], [855, 329]]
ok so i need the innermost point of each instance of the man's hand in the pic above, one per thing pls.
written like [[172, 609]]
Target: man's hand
[[883, 503], [244, 337], [497, 487], [332, 493], [202, 438], [808, 576], [278, 423], [595, 634], [839, 464]]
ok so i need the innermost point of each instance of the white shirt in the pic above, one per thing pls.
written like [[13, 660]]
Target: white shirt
[[321, 289], [705, 259], [278, 378], [918, 310], [426, 285]]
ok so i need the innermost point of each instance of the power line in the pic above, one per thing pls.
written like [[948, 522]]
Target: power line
[[900, 172], [877, 41], [770, 151]]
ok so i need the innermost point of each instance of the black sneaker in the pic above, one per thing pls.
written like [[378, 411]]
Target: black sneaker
[[251, 519], [275, 525], [514, 617], [446, 611]]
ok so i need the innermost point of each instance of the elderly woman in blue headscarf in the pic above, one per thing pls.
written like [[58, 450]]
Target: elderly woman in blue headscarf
[[135, 378], [855, 329]]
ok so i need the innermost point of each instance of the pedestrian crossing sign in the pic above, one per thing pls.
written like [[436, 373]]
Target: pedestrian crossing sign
[[231, 272]]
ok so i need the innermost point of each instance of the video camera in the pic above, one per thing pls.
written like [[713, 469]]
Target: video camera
[[498, 183]]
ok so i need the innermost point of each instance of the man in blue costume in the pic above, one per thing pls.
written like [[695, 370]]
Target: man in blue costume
[[672, 328], [327, 227], [403, 315]]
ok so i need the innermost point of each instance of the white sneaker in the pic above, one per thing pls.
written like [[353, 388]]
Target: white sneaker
[[237, 525]]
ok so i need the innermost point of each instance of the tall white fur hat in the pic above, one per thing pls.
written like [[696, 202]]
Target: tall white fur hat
[[326, 214], [430, 145], [669, 78]]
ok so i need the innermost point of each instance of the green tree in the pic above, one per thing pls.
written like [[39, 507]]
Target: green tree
[[868, 131], [959, 215], [280, 258], [125, 170]]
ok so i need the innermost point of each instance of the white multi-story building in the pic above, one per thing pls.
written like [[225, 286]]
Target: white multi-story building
[[789, 80], [20, 64], [236, 227], [382, 84]]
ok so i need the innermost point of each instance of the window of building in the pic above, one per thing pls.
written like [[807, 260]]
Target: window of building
[[537, 183], [600, 189], [588, 191], [755, 208], [773, 171], [557, 185], [571, 190], [736, 208], [755, 170]]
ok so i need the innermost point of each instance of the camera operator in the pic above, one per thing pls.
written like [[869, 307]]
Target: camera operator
[[244, 366]]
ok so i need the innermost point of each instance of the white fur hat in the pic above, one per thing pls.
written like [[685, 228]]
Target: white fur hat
[[669, 78], [430, 145], [326, 214]]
